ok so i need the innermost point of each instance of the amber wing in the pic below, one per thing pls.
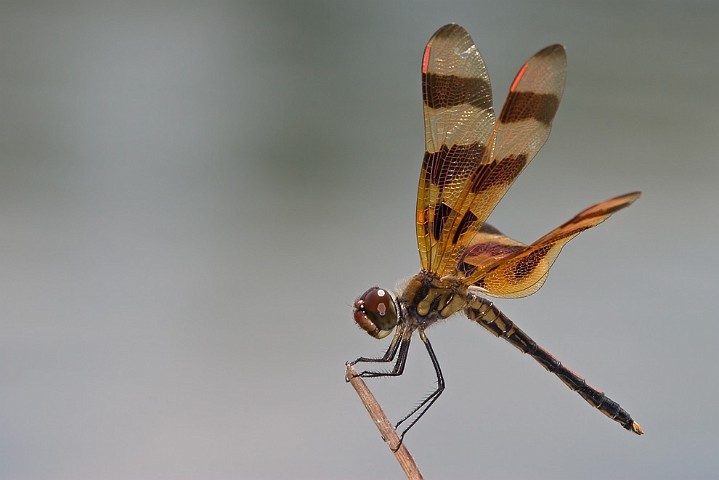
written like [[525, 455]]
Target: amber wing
[[471, 159], [503, 267]]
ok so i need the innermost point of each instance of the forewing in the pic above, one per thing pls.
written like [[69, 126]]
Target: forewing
[[522, 129], [523, 271], [458, 122], [532, 102]]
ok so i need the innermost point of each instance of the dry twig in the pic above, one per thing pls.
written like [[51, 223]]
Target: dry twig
[[389, 434]]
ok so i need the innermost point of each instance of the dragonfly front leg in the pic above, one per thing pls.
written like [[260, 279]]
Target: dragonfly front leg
[[400, 343], [490, 317]]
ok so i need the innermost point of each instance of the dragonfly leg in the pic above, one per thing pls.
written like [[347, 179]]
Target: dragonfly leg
[[400, 344], [490, 317], [431, 398]]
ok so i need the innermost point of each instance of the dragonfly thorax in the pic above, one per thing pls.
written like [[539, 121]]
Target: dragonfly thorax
[[429, 298]]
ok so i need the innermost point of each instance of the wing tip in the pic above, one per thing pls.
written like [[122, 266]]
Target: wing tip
[[448, 30], [556, 53], [554, 49], [629, 198]]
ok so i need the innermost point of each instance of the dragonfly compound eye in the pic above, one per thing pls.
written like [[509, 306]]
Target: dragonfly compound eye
[[375, 312]]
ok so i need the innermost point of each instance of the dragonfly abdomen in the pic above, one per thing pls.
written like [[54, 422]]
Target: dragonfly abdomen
[[490, 317]]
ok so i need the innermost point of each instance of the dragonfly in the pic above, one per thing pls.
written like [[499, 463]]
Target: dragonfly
[[471, 159]]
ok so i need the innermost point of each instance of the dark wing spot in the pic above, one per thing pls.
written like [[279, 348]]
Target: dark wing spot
[[465, 224], [524, 105], [498, 172], [441, 212], [485, 250], [492, 249], [444, 91], [443, 166], [467, 270], [524, 267]]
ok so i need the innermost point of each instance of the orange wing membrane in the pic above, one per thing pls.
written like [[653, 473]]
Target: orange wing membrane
[[458, 123], [471, 159], [518, 270]]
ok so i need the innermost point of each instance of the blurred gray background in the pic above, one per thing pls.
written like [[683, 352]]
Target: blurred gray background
[[193, 193]]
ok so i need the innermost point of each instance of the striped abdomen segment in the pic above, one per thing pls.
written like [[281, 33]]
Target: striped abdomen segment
[[490, 317]]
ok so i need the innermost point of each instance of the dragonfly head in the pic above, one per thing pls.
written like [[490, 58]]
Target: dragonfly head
[[375, 312]]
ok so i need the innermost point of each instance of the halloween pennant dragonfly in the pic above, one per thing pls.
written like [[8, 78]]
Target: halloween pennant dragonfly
[[471, 159]]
